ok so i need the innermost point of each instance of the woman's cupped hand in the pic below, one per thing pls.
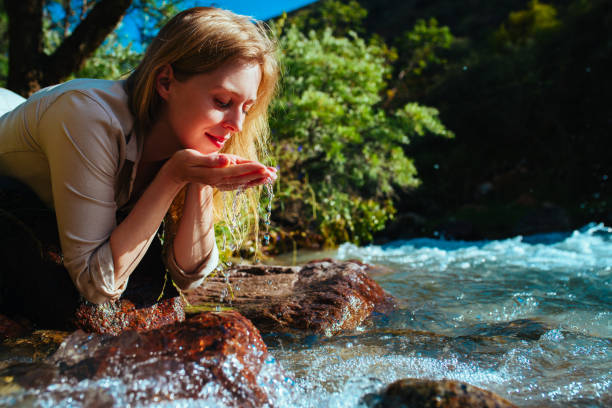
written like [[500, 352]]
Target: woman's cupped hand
[[220, 170]]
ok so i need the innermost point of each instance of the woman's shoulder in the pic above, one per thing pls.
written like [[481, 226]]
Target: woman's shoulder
[[90, 96]]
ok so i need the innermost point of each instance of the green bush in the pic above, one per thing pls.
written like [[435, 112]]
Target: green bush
[[341, 154]]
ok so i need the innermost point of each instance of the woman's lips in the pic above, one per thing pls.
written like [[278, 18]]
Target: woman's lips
[[217, 141]]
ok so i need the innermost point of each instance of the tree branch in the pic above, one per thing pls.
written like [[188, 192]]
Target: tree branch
[[84, 40]]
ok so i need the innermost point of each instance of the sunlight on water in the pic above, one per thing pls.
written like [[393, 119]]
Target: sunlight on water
[[126, 389], [528, 318]]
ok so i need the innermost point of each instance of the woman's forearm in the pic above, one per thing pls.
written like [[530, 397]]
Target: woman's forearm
[[195, 236], [130, 238]]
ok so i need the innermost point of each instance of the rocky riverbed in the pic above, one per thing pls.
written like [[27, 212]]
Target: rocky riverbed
[[155, 353]]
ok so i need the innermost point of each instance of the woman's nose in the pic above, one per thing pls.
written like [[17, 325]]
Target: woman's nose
[[233, 121]]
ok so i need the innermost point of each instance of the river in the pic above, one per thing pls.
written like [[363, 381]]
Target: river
[[529, 318], [457, 301]]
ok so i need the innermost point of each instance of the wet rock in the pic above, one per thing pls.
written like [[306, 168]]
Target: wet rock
[[321, 297], [149, 302], [523, 329], [117, 316], [423, 393], [29, 375], [34, 347], [218, 357]]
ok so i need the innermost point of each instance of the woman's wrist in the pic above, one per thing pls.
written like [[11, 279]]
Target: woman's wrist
[[170, 173]]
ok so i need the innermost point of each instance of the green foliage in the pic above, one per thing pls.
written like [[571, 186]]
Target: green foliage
[[352, 218], [112, 60], [420, 47], [522, 26], [334, 14], [341, 154]]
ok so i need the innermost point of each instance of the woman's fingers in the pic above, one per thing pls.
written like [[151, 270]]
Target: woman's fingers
[[243, 169], [223, 171], [244, 179], [258, 182], [238, 175], [235, 184]]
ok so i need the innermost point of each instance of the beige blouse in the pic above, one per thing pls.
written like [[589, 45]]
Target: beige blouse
[[74, 145]]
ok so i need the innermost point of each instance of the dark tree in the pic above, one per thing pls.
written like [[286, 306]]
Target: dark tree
[[29, 67]]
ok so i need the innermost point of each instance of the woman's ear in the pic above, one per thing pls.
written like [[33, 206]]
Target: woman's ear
[[162, 81]]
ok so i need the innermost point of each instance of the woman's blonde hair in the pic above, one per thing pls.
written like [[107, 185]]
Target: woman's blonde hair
[[200, 40]]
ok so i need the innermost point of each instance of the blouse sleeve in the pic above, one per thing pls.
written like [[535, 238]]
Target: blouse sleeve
[[83, 143]]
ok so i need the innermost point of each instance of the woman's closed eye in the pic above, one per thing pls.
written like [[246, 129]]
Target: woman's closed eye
[[223, 104]]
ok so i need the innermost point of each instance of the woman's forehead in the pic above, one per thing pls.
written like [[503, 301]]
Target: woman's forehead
[[238, 78]]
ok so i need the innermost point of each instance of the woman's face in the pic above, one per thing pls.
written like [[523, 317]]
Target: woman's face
[[203, 111]]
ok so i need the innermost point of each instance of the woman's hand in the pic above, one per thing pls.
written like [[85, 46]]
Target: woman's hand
[[222, 171]]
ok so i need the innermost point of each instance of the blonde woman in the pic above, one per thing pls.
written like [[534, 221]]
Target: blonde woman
[[111, 156]]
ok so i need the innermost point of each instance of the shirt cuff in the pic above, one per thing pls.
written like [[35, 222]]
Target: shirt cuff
[[97, 281], [187, 281]]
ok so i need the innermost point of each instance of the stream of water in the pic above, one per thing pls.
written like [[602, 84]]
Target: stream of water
[[529, 318]]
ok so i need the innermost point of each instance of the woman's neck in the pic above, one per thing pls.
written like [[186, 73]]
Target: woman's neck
[[145, 174], [159, 143]]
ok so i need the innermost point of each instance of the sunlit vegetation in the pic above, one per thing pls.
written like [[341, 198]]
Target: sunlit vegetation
[[362, 127]]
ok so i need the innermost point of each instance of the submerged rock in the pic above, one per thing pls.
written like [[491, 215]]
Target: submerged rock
[[218, 357], [523, 329], [413, 392], [321, 297]]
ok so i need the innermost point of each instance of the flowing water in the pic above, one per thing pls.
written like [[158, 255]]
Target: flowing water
[[529, 318]]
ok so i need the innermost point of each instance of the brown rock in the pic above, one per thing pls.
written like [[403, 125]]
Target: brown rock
[[117, 316], [421, 393], [36, 346], [218, 356], [321, 297], [138, 308]]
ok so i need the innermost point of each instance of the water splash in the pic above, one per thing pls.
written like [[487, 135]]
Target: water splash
[[233, 215], [527, 317], [158, 382], [269, 197]]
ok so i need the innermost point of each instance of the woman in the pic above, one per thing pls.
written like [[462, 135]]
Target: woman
[[111, 156]]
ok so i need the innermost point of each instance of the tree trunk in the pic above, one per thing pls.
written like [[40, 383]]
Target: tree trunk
[[29, 67], [26, 57]]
